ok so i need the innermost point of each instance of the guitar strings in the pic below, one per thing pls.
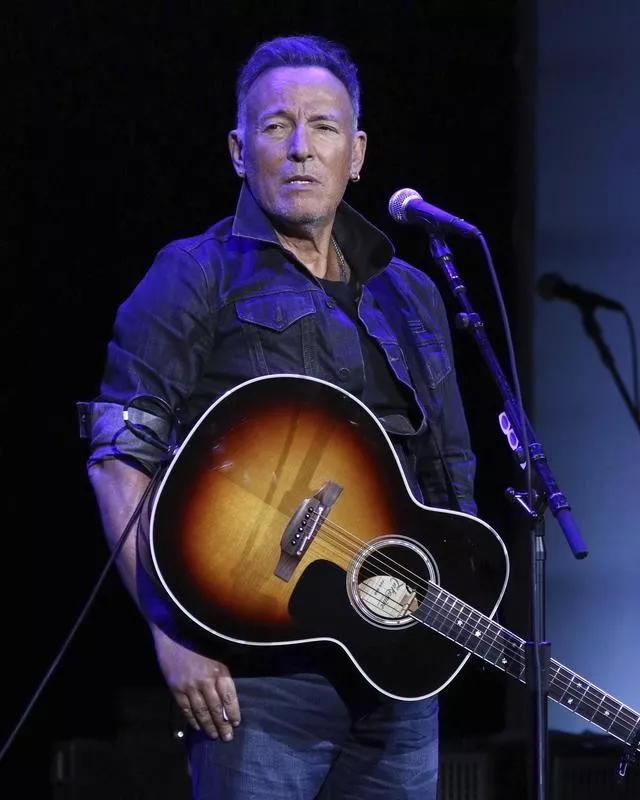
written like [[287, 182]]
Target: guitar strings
[[376, 557], [507, 645], [512, 641], [511, 644], [622, 716]]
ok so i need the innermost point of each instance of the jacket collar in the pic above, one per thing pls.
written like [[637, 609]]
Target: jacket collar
[[366, 248]]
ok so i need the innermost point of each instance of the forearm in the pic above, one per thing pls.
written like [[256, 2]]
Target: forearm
[[119, 488], [202, 687]]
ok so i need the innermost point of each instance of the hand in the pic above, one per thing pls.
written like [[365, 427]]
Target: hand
[[203, 688]]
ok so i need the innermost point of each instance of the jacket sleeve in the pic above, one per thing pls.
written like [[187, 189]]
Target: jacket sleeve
[[160, 335]]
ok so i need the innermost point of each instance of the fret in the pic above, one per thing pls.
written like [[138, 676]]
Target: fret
[[474, 631], [599, 708], [507, 650], [487, 648], [434, 612], [497, 646], [462, 632], [488, 640], [485, 638], [429, 610], [595, 706], [623, 728], [485, 642], [452, 615], [566, 687], [450, 621], [468, 615], [575, 693], [607, 714], [511, 658]]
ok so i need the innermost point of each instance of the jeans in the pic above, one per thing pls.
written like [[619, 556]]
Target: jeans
[[299, 740]]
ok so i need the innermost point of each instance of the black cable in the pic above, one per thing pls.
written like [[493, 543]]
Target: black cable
[[513, 369], [144, 432], [149, 436]]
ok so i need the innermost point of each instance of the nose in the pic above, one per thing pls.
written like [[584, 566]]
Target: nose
[[299, 148]]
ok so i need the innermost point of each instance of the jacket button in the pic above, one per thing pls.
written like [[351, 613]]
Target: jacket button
[[331, 303], [343, 373]]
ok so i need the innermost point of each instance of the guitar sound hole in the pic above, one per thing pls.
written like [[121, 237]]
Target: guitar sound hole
[[387, 580]]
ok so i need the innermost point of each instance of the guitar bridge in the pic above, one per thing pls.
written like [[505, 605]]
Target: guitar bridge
[[303, 526]]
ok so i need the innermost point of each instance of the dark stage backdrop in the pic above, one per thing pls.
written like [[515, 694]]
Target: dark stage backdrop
[[587, 231], [133, 105]]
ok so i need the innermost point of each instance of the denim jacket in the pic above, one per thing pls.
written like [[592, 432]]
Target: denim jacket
[[231, 304]]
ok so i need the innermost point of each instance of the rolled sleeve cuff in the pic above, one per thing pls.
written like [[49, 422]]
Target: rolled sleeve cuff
[[109, 436]]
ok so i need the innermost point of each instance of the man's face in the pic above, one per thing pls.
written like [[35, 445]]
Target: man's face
[[298, 146]]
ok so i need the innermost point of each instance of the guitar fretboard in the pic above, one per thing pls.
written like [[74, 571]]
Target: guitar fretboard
[[480, 635]]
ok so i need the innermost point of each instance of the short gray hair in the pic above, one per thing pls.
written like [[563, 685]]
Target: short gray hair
[[299, 51]]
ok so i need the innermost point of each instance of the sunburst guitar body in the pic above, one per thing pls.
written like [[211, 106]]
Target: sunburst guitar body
[[285, 519]]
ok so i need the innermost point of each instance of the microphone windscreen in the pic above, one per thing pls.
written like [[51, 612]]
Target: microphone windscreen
[[398, 201], [548, 284]]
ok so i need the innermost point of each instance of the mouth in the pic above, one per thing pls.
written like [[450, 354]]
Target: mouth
[[300, 180]]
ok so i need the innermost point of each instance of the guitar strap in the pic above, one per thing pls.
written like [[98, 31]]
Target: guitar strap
[[391, 302]]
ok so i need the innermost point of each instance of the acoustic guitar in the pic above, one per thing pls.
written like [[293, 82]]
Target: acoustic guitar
[[285, 519]]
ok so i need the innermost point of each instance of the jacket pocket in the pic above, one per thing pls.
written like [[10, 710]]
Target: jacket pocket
[[432, 351], [280, 332], [275, 311]]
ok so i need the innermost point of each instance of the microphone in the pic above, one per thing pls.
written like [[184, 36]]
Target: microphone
[[407, 207], [551, 285]]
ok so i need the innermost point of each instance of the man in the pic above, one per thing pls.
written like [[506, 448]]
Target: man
[[294, 283]]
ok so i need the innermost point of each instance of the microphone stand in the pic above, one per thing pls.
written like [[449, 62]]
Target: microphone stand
[[547, 494], [594, 332]]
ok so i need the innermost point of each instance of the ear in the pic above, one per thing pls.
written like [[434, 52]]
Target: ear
[[358, 151], [236, 149]]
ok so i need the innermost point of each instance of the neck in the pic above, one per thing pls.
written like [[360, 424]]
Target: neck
[[316, 251]]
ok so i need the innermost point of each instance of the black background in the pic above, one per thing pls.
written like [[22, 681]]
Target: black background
[[132, 105]]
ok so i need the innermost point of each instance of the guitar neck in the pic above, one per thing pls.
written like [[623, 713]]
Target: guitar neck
[[448, 615]]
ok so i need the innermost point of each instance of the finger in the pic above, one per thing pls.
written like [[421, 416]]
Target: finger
[[185, 707], [208, 715], [197, 713], [191, 720], [222, 701], [230, 704]]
